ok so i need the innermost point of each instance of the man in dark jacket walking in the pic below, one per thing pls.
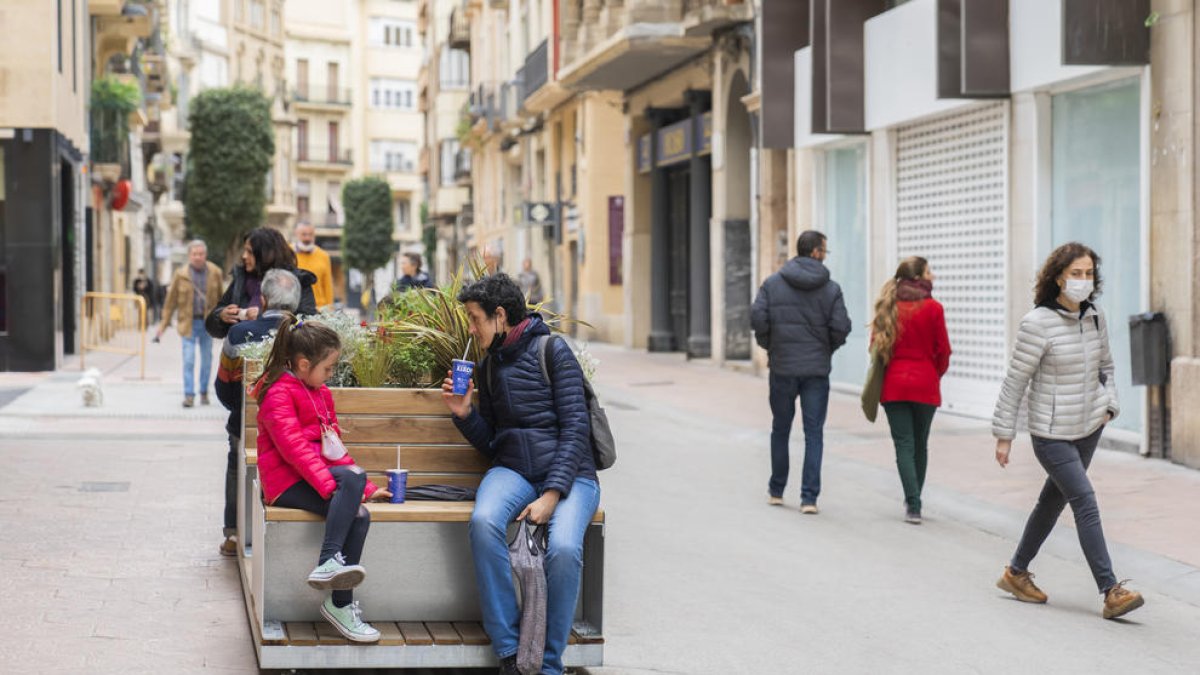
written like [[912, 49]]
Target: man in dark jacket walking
[[800, 319]]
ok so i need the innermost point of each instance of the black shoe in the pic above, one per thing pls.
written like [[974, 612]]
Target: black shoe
[[508, 666]]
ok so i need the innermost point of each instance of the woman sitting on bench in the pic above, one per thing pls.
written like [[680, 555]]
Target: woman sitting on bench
[[537, 435]]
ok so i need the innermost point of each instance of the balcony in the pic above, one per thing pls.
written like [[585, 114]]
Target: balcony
[[460, 29], [324, 158], [321, 95], [621, 44], [394, 164]]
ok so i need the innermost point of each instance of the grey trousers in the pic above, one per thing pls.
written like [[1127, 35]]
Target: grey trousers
[[1066, 463]]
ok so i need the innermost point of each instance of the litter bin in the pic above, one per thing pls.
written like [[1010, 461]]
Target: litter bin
[[1150, 349]]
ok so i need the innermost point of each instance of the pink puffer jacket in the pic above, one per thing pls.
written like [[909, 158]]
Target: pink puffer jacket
[[289, 439]]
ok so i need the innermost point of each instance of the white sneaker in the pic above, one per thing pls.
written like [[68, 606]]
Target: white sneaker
[[348, 621], [335, 575]]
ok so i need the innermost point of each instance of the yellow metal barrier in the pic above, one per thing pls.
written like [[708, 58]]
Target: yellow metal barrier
[[113, 323]]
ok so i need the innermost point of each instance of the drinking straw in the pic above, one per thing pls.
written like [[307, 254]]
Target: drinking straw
[[464, 358]]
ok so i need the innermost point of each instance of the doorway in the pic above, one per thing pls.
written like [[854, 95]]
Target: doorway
[[67, 244], [678, 224]]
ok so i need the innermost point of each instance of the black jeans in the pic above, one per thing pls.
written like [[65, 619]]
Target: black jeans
[[814, 403], [1067, 462], [231, 487], [346, 521]]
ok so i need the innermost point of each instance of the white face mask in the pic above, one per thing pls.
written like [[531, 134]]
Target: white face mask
[[1078, 290]]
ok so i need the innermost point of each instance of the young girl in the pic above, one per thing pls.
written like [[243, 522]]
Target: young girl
[[303, 465]]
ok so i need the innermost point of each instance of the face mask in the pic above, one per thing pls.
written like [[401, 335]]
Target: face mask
[[305, 248], [1078, 290]]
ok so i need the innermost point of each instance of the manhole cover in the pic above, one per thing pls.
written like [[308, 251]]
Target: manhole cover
[[104, 486]]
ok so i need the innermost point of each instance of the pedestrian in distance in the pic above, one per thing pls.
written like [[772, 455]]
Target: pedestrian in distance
[[195, 290], [537, 436], [909, 334], [143, 287], [280, 294], [313, 258], [1062, 358], [531, 283], [264, 249], [411, 274], [799, 317], [302, 464]]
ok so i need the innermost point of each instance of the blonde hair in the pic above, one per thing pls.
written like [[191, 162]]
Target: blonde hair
[[885, 327]]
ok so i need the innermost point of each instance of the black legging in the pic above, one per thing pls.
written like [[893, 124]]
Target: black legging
[[346, 521]]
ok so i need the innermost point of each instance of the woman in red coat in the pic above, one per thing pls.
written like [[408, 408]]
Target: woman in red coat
[[909, 331]]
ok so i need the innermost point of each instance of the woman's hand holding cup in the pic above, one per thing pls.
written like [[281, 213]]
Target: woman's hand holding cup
[[459, 405]]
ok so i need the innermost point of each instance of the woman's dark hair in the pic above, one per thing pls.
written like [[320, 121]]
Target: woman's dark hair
[[497, 290], [271, 251], [415, 259], [294, 340], [1046, 289], [809, 241]]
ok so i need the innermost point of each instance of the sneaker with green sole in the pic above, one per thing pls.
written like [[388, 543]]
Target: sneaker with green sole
[[335, 575], [348, 621]]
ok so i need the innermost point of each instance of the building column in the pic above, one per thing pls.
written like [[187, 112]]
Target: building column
[[662, 337], [699, 342]]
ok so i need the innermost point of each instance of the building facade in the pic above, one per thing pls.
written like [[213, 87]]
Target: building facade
[[46, 76]]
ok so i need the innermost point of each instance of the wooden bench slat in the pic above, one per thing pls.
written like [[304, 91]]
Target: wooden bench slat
[[383, 401], [415, 633], [301, 634], [328, 635], [393, 430], [461, 479], [472, 633], [443, 633], [408, 512], [420, 458], [389, 634]]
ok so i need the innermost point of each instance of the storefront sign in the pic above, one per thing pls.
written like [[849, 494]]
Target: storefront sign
[[540, 213], [677, 142]]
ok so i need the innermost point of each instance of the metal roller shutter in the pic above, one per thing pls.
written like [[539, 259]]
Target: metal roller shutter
[[952, 209]]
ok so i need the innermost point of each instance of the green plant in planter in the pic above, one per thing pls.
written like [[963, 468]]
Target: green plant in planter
[[372, 361], [413, 362], [112, 101]]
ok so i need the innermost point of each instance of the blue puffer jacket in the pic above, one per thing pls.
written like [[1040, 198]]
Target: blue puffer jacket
[[539, 431]]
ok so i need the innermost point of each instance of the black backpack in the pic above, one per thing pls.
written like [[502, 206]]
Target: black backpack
[[604, 446]]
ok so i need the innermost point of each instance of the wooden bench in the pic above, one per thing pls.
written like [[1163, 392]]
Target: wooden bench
[[420, 589]]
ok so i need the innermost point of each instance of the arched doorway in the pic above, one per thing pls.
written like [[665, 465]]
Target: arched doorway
[[738, 243]]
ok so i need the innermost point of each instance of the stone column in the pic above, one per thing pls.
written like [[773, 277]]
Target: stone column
[[662, 336], [699, 343]]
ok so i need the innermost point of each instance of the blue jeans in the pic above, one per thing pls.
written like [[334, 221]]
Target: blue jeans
[[502, 496], [814, 403], [199, 339]]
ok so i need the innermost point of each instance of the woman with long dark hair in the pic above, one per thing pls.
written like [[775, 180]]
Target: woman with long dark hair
[[1062, 358], [264, 249], [909, 334]]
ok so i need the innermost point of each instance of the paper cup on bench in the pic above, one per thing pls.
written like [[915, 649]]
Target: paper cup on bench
[[397, 484]]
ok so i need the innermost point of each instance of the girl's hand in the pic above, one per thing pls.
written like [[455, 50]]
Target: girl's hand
[[381, 495], [1003, 447], [542, 508], [459, 405]]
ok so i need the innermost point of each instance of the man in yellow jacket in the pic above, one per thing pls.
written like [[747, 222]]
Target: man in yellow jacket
[[195, 290], [313, 258]]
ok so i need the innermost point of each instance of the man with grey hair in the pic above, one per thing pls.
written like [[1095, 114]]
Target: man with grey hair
[[280, 293], [195, 290]]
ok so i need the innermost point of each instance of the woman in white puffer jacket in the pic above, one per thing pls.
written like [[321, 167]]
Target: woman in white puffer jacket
[[1062, 358]]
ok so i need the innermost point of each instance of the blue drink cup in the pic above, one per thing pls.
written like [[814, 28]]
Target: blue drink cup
[[460, 373], [397, 484]]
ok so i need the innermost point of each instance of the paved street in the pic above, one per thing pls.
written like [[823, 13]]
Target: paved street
[[111, 519]]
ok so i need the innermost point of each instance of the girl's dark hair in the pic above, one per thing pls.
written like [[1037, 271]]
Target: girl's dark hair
[[1046, 289], [415, 259], [497, 290], [271, 251], [294, 340]]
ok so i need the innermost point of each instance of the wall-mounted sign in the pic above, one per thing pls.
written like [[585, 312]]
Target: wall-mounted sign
[[540, 213], [677, 142]]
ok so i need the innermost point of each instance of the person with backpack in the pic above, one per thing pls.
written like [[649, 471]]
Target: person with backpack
[[537, 435]]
